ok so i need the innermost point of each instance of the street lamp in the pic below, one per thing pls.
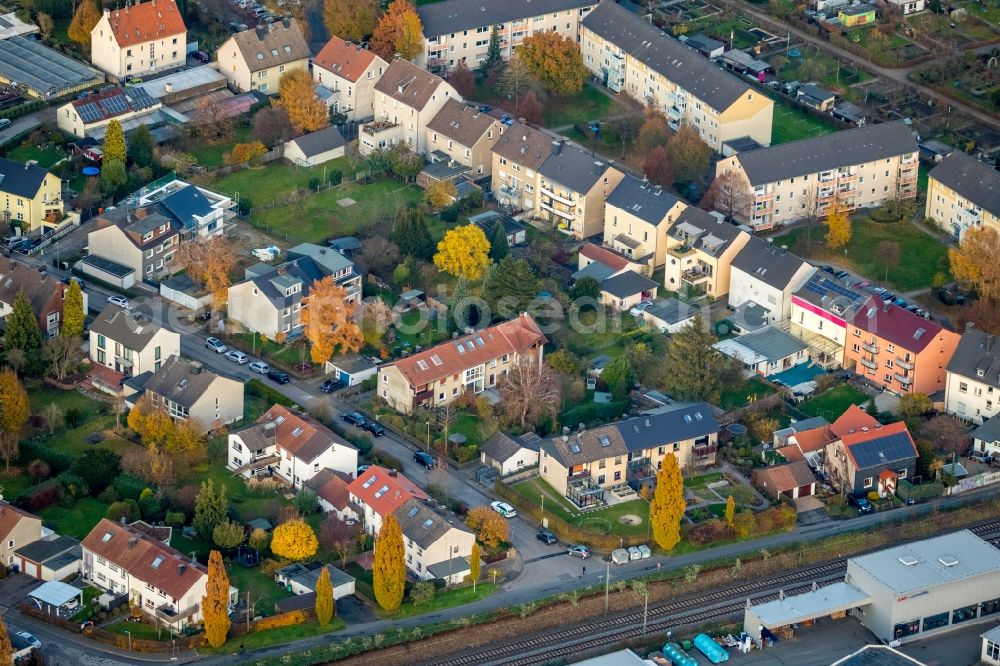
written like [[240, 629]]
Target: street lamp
[[428, 434], [129, 634]]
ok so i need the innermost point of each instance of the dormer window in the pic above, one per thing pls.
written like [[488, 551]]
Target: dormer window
[[980, 372]]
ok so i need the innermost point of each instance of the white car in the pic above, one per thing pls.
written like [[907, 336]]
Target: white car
[[215, 344], [260, 367], [640, 308], [504, 509], [120, 301], [29, 639], [237, 357]]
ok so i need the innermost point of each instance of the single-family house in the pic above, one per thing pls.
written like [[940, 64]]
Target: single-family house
[[330, 487], [189, 392], [510, 453], [54, 558], [465, 135], [44, 292], [291, 446], [637, 218], [142, 241], [766, 351], [197, 212], [807, 439], [600, 262], [767, 276], [349, 71], [88, 117], [472, 363], [301, 578], [31, 196], [18, 528], [963, 193], [701, 248], [791, 480], [899, 350], [130, 344], [821, 310], [435, 546], [255, 60], [972, 385], [377, 492], [625, 290], [871, 459], [139, 39], [316, 147]]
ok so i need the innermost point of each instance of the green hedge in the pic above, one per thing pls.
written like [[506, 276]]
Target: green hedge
[[23, 109], [906, 490], [593, 412], [259, 389]]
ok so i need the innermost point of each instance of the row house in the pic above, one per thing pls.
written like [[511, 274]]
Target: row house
[[378, 492], [897, 349], [856, 168], [573, 185], [963, 193], [129, 344], [472, 363], [139, 39], [633, 56], [700, 249], [458, 31], [44, 292], [463, 134], [349, 71], [255, 60], [291, 446], [972, 386], [188, 392], [517, 155], [637, 218], [821, 310], [766, 276]]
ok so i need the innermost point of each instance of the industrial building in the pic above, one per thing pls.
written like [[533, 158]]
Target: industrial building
[[41, 72], [900, 594]]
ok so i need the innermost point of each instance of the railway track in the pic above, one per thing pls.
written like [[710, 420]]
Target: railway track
[[720, 604]]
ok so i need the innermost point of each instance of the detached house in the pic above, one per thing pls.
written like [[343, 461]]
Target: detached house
[[406, 99], [129, 344], [197, 211], [256, 59], [871, 459], [435, 546], [637, 217], [463, 134], [700, 250], [377, 492], [349, 71], [44, 292], [291, 446], [899, 350], [972, 387], [31, 196], [132, 245], [186, 391], [472, 363], [164, 583], [962, 194], [856, 168], [765, 276], [139, 39]]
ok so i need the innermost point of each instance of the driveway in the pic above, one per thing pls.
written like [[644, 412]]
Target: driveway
[[15, 588], [352, 610]]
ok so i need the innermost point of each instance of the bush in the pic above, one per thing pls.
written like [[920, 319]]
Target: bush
[[906, 490], [450, 213], [593, 413], [261, 486], [259, 389], [58, 461], [74, 485], [129, 486], [109, 495], [385, 460], [40, 496], [289, 619], [364, 442], [335, 176], [709, 531], [175, 518], [127, 509]]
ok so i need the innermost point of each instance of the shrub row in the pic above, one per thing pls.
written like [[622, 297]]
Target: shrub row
[[259, 389], [289, 619]]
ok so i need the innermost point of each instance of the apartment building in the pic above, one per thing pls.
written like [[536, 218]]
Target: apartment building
[[972, 386], [637, 218], [459, 30], [517, 155], [349, 71], [139, 39], [189, 392], [406, 100], [821, 309], [436, 546], [256, 59], [378, 492], [31, 196], [130, 344], [700, 249], [142, 241], [857, 168], [462, 133], [473, 363], [573, 185], [197, 211], [899, 350], [631, 55], [766, 276], [44, 292], [963, 193]]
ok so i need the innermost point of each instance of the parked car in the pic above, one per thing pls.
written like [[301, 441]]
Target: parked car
[[237, 357], [120, 301], [640, 308], [374, 428], [504, 509], [861, 504], [29, 639], [201, 57], [354, 418], [215, 344], [279, 376], [260, 367], [4, 123], [546, 537], [362, 469], [329, 386], [583, 552], [427, 460]]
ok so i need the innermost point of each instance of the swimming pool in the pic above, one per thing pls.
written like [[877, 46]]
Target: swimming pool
[[797, 374]]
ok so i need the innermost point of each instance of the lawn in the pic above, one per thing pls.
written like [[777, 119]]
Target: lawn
[[590, 104], [139, 630], [923, 256], [263, 639], [264, 592], [703, 480], [212, 154], [833, 403], [45, 157], [410, 332], [790, 124], [276, 181], [75, 521], [444, 599], [605, 521], [736, 397], [534, 489]]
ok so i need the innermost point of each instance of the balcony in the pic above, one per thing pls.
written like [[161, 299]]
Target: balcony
[[908, 176], [904, 364], [847, 177], [257, 463], [170, 615], [510, 190], [561, 199], [870, 347], [674, 113], [871, 365], [680, 251], [761, 197], [569, 217], [825, 196], [905, 380], [697, 275], [705, 450]]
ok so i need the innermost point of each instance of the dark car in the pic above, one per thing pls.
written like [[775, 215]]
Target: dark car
[[201, 57], [330, 385], [279, 376], [374, 428], [425, 459], [546, 537], [861, 504], [355, 419]]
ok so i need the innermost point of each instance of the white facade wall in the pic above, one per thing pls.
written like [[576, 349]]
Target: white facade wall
[[970, 398]]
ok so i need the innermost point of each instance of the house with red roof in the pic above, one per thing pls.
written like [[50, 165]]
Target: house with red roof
[[139, 39], [898, 349], [349, 71], [473, 363], [330, 487], [791, 480], [377, 492], [871, 458]]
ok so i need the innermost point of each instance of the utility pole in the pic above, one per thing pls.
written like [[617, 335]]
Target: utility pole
[[607, 586]]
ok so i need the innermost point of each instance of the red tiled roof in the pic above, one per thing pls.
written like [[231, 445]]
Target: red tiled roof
[[345, 59], [896, 325], [141, 23], [10, 516], [853, 420], [300, 435], [513, 336], [783, 478], [145, 558], [605, 256], [392, 491], [808, 441], [791, 453], [331, 486]]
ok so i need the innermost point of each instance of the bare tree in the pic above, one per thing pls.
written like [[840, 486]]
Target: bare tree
[[378, 255], [887, 254], [9, 448], [338, 537], [62, 354], [729, 195], [528, 392]]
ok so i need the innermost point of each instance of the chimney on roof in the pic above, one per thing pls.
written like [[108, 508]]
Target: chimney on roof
[[557, 147], [181, 568], [885, 306], [287, 22], [581, 427], [132, 541], [969, 325], [393, 472], [122, 521], [269, 431]]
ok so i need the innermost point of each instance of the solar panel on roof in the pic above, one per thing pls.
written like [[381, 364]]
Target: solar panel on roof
[[891, 448], [89, 113]]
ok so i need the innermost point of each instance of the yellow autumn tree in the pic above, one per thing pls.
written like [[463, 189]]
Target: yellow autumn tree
[[440, 193], [730, 510], [294, 540], [215, 603], [668, 505], [297, 94], [245, 153], [389, 568], [975, 260], [398, 31], [209, 261], [153, 425], [6, 648], [85, 18], [328, 321], [475, 564], [838, 227], [324, 598], [555, 61], [463, 252], [490, 527]]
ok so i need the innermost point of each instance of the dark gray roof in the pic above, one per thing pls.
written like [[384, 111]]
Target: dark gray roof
[[772, 343], [704, 231], [108, 266], [704, 42], [308, 574], [573, 168], [138, 382], [321, 141], [502, 446], [345, 243], [971, 179], [688, 421], [132, 330], [422, 524], [830, 151], [594, 269], [893, 447], [20, 179], [977, 357], [42, 550], [814, 92], [441, 18], [627, 284], [989, 431], [303, 270], [830, 294], [187, 202], [644, 200], [666, 55], [749, 316], [742, 144], [445, 169], [671, 310], [457, 565], [767, 263], [181, 381], [485, 221]]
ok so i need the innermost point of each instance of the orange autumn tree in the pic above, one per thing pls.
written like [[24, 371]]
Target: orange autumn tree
[[327, 321], [297, 94], [555, 61], [209, 261], [399, 31], [215, 603]]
